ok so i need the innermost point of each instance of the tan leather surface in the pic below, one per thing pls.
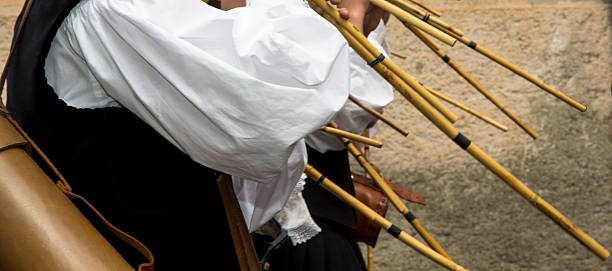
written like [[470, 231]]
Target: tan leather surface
[[398, 189], [9, 137], [367, 231], [40, 228]]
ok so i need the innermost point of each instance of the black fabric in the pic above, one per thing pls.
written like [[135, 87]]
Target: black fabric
[[334, 165], [330, 250], [136, 178]]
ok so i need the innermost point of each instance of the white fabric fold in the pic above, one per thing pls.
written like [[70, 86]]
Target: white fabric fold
[[368, 87], [235, 90], [259, 202]]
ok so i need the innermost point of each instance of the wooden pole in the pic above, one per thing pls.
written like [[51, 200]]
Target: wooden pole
[[467, 109], [378, 115], [423, 6], [408, 17], [370, 259], [426, 17], [395, 231], [402, 75], [436, 49], [389, 193], [520, 72], [362, 139], [243, 244], [442, 124], [398, 54]]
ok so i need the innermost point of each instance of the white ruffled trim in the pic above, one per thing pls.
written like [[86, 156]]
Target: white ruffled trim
[[295, 217], [304, 232]]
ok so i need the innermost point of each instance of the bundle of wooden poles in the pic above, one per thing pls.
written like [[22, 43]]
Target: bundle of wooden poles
[[424, 24]]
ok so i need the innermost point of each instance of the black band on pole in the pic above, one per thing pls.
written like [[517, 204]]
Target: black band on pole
[[426, 17], [320, 180], [446, 58], [394, 230], [346, 143], [379, 59], [462, 141], [410, 217], [472, 45]]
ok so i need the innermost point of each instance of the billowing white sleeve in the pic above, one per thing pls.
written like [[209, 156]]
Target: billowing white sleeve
[[368, 87], [235, 90], [258, 201]]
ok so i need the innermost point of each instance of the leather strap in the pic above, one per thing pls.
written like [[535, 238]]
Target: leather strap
[[130, 240], [61, 183]]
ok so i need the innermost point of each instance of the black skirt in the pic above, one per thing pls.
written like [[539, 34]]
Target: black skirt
[[330, 250]]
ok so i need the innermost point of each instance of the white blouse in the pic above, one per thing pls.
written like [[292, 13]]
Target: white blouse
[[235, 90], [255, 198]]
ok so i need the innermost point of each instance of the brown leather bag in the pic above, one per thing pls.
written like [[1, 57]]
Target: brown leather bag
[[366, 191], [365, 230], [40, 227]]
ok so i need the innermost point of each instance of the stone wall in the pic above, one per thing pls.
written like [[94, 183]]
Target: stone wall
[[481, 222]]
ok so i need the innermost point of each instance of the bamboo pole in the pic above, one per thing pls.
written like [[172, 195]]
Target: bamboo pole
[[362, 139], [398, 54], [366, 155], [408, 17], [423, 6], [434, 47], [378, 115], [370, 259], [426, 17], [520, 72], [405, 77], [389, 193], [333, 16], [467, 109], [395, 231]]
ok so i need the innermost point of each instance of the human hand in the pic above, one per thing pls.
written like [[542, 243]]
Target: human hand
[[364, 16], [343, 11]]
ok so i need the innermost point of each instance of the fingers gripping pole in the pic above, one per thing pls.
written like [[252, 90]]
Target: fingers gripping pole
[[340, 23], [466, 144], [396, 232], [387, 191]]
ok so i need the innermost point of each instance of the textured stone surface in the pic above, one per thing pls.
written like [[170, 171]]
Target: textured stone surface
[[480, 221]]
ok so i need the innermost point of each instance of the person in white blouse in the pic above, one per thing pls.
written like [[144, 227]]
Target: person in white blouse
[[235, 91], [316, 223]]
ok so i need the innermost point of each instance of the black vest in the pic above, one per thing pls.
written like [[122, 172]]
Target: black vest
[[323, 204], [136, 178]]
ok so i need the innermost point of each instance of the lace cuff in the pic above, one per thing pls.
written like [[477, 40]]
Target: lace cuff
[[295, 217]]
